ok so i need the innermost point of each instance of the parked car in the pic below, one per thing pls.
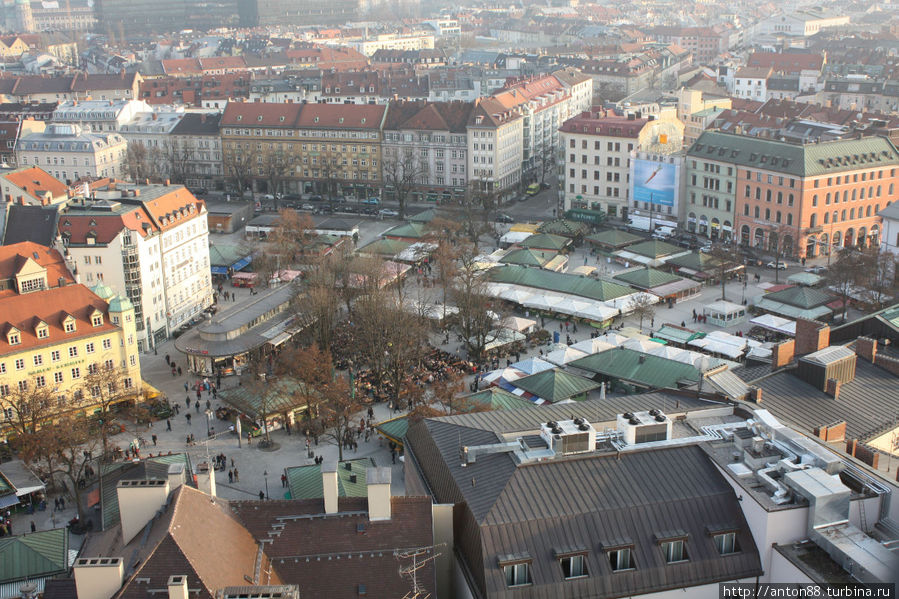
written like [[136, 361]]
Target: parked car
[[372, 201], [198, 192], [504, 218], [315, 198], [307, 207], [817, 270], [779, 265], [388, 212]]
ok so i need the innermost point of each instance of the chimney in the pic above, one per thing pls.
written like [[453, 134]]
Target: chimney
[[329, 487], [21, 200], [866, 348], [177, 587], [378, 480], [155, 116], [139, 500], [176, 476], [832, 388], [167, 181], [206, 478], [137, 193], [98, 577], [755, 395], [811, 336], [782, 354]]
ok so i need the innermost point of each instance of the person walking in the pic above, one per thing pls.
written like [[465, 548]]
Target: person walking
[[62, 502], [187, 401], [188, 418], [230, 476], [284, 480], [33, 526], [168, 424], [236, 476], [261, 496], [153, 437], [186, 387], [197, 406]]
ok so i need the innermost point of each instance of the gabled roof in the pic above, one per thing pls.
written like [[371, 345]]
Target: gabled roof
[[614, 238], [497, 398], [527, 257], [261, 114], [305, 482], [412, 230], [37, 182], [545, 241], [384, 247], [31, 223], [564, 227], [13, 257], [647, 278], [203, 540], [43, 553], [636, 367], [428, 116], [654, 248], [341, 116], [555, 385]]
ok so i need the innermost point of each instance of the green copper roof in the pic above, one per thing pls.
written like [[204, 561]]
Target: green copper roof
[[305, 482], [407, 230], [527, 257], [809, 160], [120, 303], [556, 385], [800, 297], [555, 281], [495, 398], [102, 291], [564, 227], [425, 216], [225, 255], [647, 278], [545, 241], [34, 555], [614, 238], [384, 247], [654, 248], [283, 395], [394, 429], [636, 367]]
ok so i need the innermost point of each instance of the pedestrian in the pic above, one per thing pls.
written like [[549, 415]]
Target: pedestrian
[[236, 476], [232, 462], [214, 392], [261, 496], [187, 401], [199, 394], [154, 440], [249, 438], [168, 360], [33, 527], [197, 406], [179, 371], [186, 388], [393, 455], [284, 480], [56, 504], [168, 424], [208, 404], [371, 413], [62, 503], [188, 418], [230, 476]]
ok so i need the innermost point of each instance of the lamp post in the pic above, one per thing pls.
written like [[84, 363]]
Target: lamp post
[[265, 475]]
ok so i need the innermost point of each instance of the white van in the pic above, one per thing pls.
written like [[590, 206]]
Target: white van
[[663, 232]]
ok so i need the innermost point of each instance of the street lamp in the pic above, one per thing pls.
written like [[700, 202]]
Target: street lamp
[[265, 474], [208, 422]]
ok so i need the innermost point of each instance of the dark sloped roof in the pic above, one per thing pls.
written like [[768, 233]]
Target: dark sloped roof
[[614, 238], [647, 278], [31, 223], [868, 403], [42, 553], [556, 281], [654, 248], [555, 385], [583, 503]]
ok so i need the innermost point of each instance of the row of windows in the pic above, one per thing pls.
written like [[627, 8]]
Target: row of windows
[[9, 413], [597, 145], [620, 559], [55, 355], [856, 194], [842, 180]]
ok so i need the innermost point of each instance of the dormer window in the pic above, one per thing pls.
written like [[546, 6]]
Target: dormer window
[[68, 324], [240, 117], [42, 330], [13, 337], [97, 319]]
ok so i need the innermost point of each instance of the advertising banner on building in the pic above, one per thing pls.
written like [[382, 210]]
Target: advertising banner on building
[[655, 182]]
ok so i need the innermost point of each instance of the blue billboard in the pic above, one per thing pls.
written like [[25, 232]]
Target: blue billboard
[[655, 182]]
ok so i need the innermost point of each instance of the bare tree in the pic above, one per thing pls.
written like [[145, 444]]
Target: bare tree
[[275, 166], [178, 159], [292, 235], [546, 161], [642, 306], [31, 405], [337, 408], [62, 449], [237, 165], [103, 386], [139, 164], [880, 275], [845, 273], [402, 172], [725, 258], [474, 320], [776, 245]]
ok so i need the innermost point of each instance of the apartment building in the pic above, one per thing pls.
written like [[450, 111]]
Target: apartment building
[[428, 141], [56, 332], [805, 198], [69, 153], [79, 86], [495, 147], [149, 243], [99, 115], [597, 147], [710, 192]]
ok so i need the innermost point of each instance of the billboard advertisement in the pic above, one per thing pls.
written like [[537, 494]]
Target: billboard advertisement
[[655, 182]]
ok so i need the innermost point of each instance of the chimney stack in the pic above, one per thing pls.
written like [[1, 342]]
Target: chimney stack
[[832, 388], [206, 479], [176, 476], [811, 336], [177, 587], [99, 577], [378, 480], [139, 500], [782, 354], [329, 487], [866, 348]]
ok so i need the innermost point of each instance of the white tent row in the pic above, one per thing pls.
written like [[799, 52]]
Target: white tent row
[[416, 251], [645, 345], [564, 303], [719, 342], [501, 337], [432, 311], [777, 324]]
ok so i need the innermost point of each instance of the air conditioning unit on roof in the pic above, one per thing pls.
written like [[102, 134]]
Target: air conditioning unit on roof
[[567, 437]]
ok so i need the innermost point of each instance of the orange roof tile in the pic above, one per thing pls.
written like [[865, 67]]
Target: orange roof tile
[[12, 257], [36, 181], [260, 114]]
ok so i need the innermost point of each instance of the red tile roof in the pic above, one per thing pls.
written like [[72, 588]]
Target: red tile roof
[[170, 209], [786, 62], [51, 306], [261, 114], [348, 116], [36, 182], [597, 123], [104, 227], [12, 257]]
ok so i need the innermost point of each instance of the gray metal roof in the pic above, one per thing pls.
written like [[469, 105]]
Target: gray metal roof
[[586, 502], [869, 403]]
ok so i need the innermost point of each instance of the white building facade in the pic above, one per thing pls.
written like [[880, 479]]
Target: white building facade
[[70, 153]]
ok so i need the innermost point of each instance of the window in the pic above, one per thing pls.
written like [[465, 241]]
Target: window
[[43, 333], [70, 326], [57, 377], [76, 373], [517, 574], [620, 559], [14, 339], [107, 344], [73, 352], [40, 381], [726, 543], [97, 320], [20, 363], [89, 348], [54, 355], [674, 551], [573, 566]]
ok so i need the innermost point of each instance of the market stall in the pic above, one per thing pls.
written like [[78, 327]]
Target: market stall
[[725, 314]]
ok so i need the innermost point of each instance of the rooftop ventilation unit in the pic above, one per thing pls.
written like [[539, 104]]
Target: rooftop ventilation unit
[[569, 436], [644, 427]]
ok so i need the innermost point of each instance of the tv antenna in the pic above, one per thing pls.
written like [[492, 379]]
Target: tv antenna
[[421, 557]]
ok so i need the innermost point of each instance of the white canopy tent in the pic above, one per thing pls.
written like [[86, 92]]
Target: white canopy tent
[[784, 326], [724, 314], [522, 325], [564, 356]]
